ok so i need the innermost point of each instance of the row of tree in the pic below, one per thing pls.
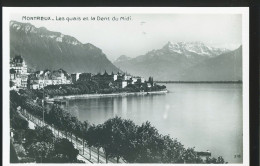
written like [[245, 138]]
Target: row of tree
[[39, 143], [120, 138]]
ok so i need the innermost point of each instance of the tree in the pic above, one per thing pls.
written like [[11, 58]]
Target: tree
[[84, 128], [56, 117], [12, 84], [220, 160], [77, 128], [128, 139], [113, 134], [13, 154], [30, 137], [190, 156], [73, 123], [17, 122], [213, 160], [172, 151], [95, 137], [15, 98], [39, 134], [41, 151], [65, 151], [66, 119], [118, 134], [43, 134], [149, 144]]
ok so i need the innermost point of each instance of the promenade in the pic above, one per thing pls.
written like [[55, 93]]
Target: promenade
[[83, 96], [88, 155]]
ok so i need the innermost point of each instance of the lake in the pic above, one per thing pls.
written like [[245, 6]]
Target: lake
[[204, 116]]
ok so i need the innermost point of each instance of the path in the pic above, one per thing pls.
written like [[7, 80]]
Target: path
[[77, 144]]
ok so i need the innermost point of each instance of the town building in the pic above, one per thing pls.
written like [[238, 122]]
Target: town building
[[137, 79], [75, 77], [104, 77], [84, 77], [18, 73], [41, 79], [119, 83], [18, 64], [114, 76]]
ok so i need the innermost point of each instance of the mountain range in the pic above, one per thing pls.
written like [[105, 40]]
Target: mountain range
[[180, 61], [186, 61], [44, 49]]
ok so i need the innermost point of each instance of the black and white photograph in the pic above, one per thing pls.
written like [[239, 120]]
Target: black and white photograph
[[126, 85]]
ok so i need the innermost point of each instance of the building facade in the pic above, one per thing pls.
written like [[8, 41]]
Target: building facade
[[41, 79], [18, 73]]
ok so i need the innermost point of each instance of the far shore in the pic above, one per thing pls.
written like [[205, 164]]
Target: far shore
[[200, 82], [83, 96]]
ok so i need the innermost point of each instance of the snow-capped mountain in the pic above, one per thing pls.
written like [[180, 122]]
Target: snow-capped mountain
[[44, 49], [190, 49], [176, 61]]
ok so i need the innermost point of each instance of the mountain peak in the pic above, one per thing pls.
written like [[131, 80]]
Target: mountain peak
[[122, 58], [43, 32], [47, 49], [90, 46], [193, 48], [25, 27]]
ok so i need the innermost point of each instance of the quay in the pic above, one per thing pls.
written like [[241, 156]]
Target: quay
[[63, 99]]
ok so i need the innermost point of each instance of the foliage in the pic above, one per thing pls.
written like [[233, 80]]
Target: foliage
[[15, 98], [89, 86], [30, 137], [39, 134], [43, 134], [11, 84], [17, 122], [149, 144], [94, 136], [41, 151], [119, 137], [173, 150], [113, 137], [13, 154], [65, 151], [190, 156], [41, 145], [213, 160]]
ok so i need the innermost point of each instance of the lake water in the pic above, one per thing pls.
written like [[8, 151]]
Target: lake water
[[204, 116]]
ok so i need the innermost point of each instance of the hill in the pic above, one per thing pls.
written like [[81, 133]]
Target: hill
[[44, 49]]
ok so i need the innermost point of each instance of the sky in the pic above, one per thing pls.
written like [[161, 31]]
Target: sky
[[139, 33]]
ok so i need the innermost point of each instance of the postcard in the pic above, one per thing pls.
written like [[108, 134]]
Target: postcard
[[126, 85]]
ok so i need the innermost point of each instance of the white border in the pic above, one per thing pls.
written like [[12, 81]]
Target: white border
[[7, 11]]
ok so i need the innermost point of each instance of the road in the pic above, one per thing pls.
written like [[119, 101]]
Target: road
[[77, 144]]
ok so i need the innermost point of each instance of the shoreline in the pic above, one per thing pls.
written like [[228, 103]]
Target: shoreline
[[85, 96]]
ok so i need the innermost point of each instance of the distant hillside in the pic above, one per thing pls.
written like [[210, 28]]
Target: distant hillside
[[44, 49], [225, 67], [191, 61], [122, 58]]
